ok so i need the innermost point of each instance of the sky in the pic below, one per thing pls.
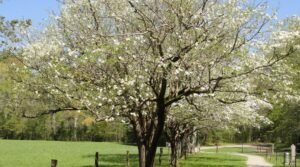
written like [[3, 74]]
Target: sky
[[286, 7], [36, 10], [39, 10]]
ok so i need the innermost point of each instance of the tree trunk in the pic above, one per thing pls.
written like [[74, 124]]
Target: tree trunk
[[184, 145], [182, 148], [173, 161], [5, 115], [194, 142], [179, 148], [147, 153], [75, 128], [150, 156], [53, 125], [142, 155], [171, 131], [250, 135], [148, 138], [149, 129]]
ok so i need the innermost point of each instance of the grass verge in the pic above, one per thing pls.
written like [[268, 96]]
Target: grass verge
[[276, 159], [214, 160], [81, 154]]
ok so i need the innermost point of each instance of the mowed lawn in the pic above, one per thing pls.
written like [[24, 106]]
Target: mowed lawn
[[214, 160], [277, 158], [22, 153], [69, 154], [233, 150]]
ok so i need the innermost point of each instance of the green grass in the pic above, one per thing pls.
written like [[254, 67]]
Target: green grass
[[15, 153], [232, 150], [275, 159], [68, 154], [278, 159], [214, 160]]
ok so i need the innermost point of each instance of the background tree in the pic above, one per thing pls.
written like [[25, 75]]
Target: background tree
[[193, 115], [283, 82], [9, 39]]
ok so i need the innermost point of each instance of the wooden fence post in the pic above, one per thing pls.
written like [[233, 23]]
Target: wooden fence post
[[97, 159], [53, 162], [127, 158]]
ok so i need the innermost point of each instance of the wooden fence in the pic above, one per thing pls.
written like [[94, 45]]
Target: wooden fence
[[54, 162]]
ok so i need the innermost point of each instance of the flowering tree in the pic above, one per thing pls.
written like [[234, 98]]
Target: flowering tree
[[195, 114], [135, 59], [9, 38], [282, 83], [282, 80]]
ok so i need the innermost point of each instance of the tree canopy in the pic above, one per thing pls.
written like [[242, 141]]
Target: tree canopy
[[135, 60]]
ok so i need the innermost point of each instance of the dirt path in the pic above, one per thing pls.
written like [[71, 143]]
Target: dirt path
[[253, 160]]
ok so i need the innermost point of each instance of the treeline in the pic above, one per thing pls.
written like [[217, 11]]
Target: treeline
[[78, 127], [65, 127], [69, 128], [284, 130]]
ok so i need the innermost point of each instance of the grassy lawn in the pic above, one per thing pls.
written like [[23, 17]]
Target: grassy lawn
[[233, 149], [214, 160], [278, 159], [81, 154], [68, 154]]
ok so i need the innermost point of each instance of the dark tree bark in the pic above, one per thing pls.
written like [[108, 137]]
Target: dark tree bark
[[148, 133], [171, 137], [173, 161], [175, 133]]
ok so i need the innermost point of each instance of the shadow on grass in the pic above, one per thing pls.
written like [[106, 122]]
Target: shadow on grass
[[195, 159], [109, 160], [119, 160], [213, 165], [214, 160]]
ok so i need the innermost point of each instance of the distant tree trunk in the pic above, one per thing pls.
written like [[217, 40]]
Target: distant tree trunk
[[204, 140], [173, 161], [194, 142], [171, 133], [250, 135], [75, 128], [53, 126], [182, 147], [184, 144], [5, 115]]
